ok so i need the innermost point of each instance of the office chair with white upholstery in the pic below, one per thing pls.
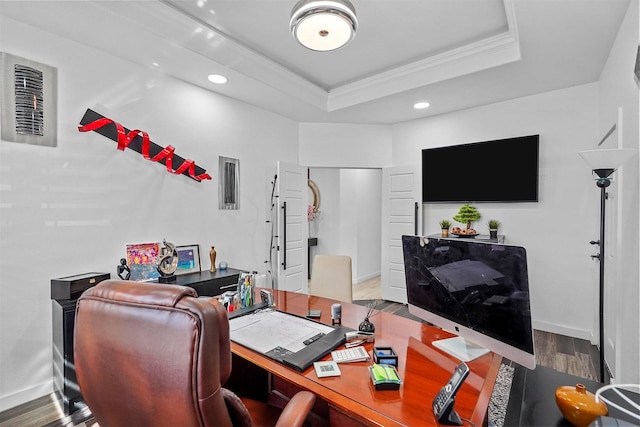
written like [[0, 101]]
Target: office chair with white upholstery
[[331, 277]]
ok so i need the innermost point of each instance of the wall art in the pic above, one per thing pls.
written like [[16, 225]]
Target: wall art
[[138, 140], [228, 183]]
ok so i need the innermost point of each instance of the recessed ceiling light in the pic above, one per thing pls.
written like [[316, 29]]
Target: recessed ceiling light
[[217, 78], [420, 105]]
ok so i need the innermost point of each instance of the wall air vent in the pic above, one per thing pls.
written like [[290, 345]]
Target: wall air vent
[[29, 101], [28, 87]]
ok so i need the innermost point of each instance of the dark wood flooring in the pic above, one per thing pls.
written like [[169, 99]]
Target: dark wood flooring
[[561, 353]]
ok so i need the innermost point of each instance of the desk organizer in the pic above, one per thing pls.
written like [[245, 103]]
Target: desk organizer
[[385, 355], [384, 377]]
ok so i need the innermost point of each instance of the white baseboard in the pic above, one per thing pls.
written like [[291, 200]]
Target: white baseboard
[[27, 395], [366, 277], [563, 330]]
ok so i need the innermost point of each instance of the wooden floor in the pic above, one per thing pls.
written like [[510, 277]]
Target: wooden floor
[[561, 353]]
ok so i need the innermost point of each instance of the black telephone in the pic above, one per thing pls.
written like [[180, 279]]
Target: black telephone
[[444, 401]]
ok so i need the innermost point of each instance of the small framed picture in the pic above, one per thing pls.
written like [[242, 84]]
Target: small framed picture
[[188, 259]]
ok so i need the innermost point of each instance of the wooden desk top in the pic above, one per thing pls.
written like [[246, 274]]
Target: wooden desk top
[[423, 368]]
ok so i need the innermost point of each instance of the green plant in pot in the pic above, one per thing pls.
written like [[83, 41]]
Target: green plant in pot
[[444, 227], [466, 215], [493, 224]]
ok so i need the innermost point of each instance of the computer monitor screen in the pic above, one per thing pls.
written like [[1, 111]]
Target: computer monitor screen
[[476, 290]]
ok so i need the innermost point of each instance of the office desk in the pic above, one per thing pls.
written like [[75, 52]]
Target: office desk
[[350, 399]]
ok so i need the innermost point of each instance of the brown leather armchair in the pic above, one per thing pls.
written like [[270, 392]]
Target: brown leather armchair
[[157, 355]]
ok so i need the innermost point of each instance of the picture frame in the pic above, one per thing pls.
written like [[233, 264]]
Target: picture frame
[[142, 259], [188, 259]]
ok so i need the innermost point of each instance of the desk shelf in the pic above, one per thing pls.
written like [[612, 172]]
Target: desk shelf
[[479, 238]]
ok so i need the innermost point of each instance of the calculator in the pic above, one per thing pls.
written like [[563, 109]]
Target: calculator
[[353, 354]]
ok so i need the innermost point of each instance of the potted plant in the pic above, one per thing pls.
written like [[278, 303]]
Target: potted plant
[[444, 226], [493, 224], [466, 215]]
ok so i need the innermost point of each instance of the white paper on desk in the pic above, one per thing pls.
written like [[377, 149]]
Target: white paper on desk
[[264, 330]]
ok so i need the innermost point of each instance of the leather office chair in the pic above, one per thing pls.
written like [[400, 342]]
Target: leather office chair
[[331, 277], [156, 355]]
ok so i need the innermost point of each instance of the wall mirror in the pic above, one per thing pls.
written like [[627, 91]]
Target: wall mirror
[[315, 195]]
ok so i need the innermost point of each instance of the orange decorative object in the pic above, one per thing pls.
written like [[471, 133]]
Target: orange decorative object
[[578, 405]]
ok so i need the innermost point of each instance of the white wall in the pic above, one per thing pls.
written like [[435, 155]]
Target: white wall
[[369, 240], [73, 208], [619, 92], [349, 220], [344, 145], [556, 230], [361, 220]]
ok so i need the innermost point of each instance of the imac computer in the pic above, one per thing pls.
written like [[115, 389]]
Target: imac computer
[[476, 290]]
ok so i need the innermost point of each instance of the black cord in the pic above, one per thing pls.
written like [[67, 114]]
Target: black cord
[[469, 421]]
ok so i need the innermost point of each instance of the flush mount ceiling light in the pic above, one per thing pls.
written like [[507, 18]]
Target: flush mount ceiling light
[[323, 25]]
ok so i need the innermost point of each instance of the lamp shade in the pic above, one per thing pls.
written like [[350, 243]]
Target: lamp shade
[[607, 159], [323, 25]]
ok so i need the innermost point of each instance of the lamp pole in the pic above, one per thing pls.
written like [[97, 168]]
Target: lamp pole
[[603, 163], [603, 182]]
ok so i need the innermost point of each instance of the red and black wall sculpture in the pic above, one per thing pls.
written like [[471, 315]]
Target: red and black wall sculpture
[[138, 140]]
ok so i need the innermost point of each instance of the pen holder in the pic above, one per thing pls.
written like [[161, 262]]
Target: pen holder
[[385, 355]]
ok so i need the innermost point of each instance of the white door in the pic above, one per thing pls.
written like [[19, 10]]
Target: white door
[[401, 214], [292, 227]]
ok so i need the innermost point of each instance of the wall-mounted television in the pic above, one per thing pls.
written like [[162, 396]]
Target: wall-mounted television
[[478, 291], [502, 170]]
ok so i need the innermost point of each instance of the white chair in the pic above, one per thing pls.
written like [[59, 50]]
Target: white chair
[[331, 277]]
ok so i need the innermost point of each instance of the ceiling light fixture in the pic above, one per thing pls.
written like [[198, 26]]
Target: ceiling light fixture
[[421, 105], [323, 25], [217, 78]]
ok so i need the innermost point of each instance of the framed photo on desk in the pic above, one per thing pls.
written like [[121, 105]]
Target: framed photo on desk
[[188, 259]]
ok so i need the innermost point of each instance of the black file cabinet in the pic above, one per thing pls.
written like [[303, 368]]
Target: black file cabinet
[[65, 292], [64, 373]]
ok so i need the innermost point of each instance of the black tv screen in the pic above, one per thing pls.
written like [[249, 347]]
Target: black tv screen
[[504, 170]]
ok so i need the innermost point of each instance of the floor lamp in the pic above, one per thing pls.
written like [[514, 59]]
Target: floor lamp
[[603, 163]]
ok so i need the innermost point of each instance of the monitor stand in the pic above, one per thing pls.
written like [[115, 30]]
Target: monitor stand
[[461, 349]]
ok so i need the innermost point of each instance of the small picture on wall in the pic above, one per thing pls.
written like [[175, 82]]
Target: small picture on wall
[[188, 259], [228, 183], [142, 259]]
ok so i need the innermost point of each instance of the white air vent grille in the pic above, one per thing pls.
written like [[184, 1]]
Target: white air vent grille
[[29, 101]]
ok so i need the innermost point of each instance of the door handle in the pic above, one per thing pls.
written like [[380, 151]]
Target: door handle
[[284, 235]]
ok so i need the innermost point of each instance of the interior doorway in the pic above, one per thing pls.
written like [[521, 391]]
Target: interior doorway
[[349, 219]]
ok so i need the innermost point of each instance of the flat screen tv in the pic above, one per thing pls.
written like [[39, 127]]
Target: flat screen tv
[[504, 170], [478, 291]]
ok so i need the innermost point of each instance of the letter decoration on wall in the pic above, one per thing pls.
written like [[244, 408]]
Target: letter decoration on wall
[[138, 140]]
